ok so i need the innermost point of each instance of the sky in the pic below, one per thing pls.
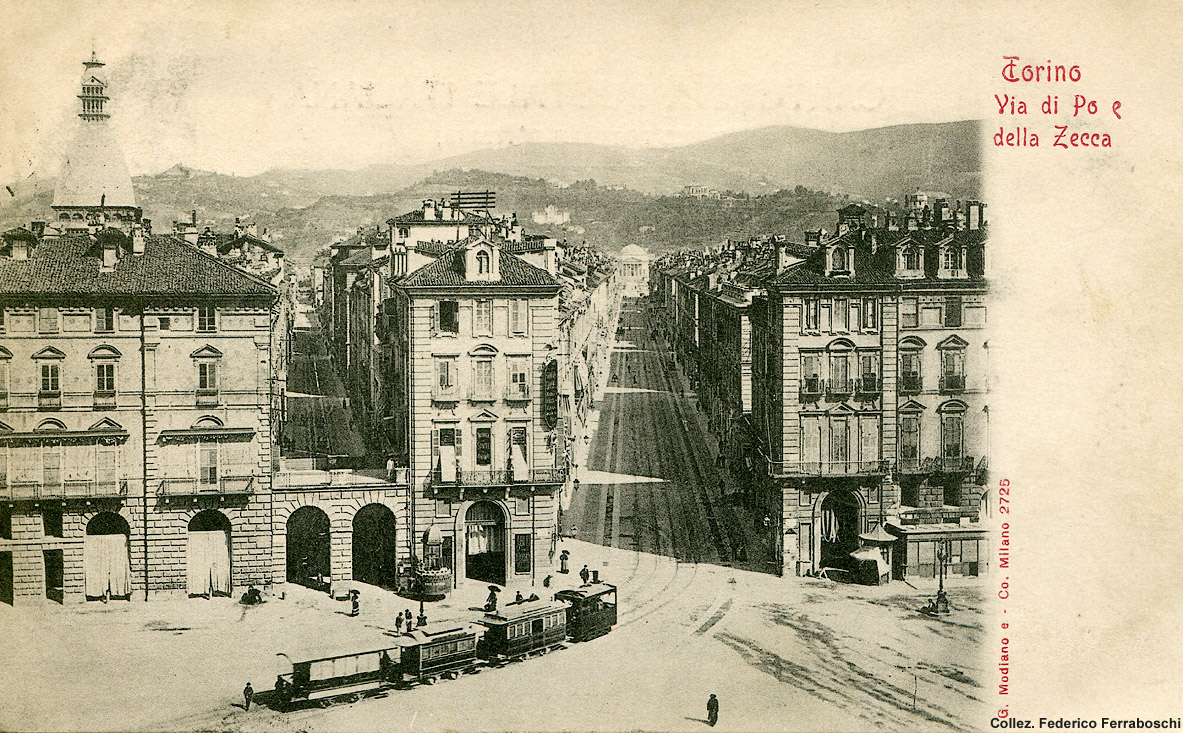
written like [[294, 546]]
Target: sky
[[242, 87]]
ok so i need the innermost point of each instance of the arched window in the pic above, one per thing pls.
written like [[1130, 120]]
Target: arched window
[[838, 259], [483, 266], [911, 259]]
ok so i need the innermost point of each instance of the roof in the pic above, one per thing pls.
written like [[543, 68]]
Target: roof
[[72, 266], [94, 168], [416, 217], [511, 612], [632, 250], [448, 271]]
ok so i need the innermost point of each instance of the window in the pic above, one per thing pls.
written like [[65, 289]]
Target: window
[[909, 313], [165, 322], [811, 314], [3, 384], [51, 520], [50, 378], [841, 314], [449, 316], [517, 316], [838, 259], [952, 369], [445, 375], [104, 320], [951, 436], [47, 320], [448, 436], [868, 372], [519, 378], [1, 320], [869, 314], [839, 440], [483, 266], [207, 463], [953, 311], [105, 466], [521, 505], [910, 376], [483, 378], [839, 373], [104, 378], [483, 318], [51, 465], [521, 553], [811, 365], [517, 439], [910, 438], [484, 446], [911, 258], [207, 376], [206, 318], [951, 259]]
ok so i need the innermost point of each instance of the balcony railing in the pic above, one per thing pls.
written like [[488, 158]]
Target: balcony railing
[[910, 383], [225, 485], [501, 477], [104, 399], [445, 394], [869, 385], [49, 399], [67, 489], [812, 388], [517, 392], [946, 464], [936, 515], [828, 468], [207, 397], [952, 383], [839, 387]]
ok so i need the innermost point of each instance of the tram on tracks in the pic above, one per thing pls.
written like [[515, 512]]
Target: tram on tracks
[[523, 629]]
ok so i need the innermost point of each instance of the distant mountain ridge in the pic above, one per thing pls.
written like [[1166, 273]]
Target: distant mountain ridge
[[306, 207]]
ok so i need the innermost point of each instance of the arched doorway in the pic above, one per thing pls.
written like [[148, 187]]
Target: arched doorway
[[208, 560], [484, 535], [374, 550], [838, 529], [308, 548], [106, 566]]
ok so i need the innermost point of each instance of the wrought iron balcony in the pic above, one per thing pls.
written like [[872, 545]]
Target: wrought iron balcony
[[946, 464], [952, 383], [225, 485], [517, 392], [839, 387], [484, 477], [67, 489], [910, 383], [207, 397], [104, 399], [936, 515], [445, 394], [812, 388], [828, 468], [868, 385]]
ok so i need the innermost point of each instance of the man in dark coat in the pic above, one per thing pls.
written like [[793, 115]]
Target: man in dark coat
[[712, 710], [248, 694], [584, 574]]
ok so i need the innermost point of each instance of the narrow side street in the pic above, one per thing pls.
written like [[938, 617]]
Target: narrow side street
[[651, 483]]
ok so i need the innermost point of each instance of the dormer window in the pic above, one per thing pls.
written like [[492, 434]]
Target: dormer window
[[951, 259], [483, 263], [838, 259], [911, 258]]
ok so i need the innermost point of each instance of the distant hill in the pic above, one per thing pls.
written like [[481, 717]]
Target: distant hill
[[613, 194]]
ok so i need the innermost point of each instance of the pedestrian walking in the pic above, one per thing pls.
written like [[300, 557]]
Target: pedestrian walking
[[584, 574], [248, 694], [712, 710], [390, 468], [356, 605], [409, 619], [398, 623], [564, 558]]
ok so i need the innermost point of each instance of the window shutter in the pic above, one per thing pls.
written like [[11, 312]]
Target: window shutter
[[459, 435], [435, 316]]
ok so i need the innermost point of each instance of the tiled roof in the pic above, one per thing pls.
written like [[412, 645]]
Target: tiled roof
[[71, 266], [448, 271], [416, 217]]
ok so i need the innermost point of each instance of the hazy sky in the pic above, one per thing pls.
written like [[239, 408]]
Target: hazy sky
[[246, 86]]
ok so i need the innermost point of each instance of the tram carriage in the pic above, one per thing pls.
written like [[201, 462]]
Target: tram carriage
[[591, 610], [521, 629], [429, 655], [338, 676]]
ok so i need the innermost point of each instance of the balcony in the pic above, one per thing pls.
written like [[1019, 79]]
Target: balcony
[[936, 515], [68, 489], [49, 399], [812, 389], [910, 383], [517, 393], [224, 486], [869, 386], [445, 394], [952, 383], [828, 468], [486, 478], [839, 388], [947, 464], [104, 399], [207, 397]]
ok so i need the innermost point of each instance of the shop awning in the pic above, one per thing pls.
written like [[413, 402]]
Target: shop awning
[[448, 464], [517, 463], [878, 535]]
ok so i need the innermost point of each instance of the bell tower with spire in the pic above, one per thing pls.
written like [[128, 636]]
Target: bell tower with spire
[[94, 190]]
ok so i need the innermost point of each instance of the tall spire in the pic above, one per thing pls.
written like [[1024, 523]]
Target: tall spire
[[93, 90]]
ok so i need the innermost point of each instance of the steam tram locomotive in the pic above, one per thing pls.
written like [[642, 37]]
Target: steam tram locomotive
[[518, 631]]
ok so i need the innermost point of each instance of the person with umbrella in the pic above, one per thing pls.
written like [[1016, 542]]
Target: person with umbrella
[[491, 601], [564, 558]]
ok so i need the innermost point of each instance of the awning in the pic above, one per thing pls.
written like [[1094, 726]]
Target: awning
[[448, 464], [580, 376], [517, 463], [878, 535], [210, 433]]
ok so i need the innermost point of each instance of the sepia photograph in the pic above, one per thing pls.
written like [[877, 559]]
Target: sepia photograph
[[526, 366]]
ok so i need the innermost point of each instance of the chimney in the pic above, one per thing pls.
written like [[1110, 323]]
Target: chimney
[[208, 243], [147, 224], [137, 241], [238, 227], [446, 210], [38, 228], [552, 259], [812, 238], [193, 218], [974, 209], [429, 211]]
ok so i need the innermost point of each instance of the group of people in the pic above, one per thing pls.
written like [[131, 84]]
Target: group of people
[[565, 567]]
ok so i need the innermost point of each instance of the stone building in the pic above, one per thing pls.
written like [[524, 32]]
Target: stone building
[[870, 379], [471, 333], [634, 271]]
